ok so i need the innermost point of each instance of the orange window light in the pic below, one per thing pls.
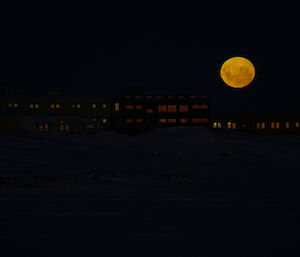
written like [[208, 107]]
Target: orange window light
[[139, 107], [129, 107], [162, 108], [149, 111], [129, 121], [139, 121], [183, 108], [183, 121], [163, 121], [172, 108], [171, 120]]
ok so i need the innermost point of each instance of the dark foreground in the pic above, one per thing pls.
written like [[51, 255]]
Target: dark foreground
[[200, 207]]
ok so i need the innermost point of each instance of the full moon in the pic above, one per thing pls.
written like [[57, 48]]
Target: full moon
[[237, 72]]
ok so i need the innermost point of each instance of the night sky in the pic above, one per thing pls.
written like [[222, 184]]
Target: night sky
[[88, 48]]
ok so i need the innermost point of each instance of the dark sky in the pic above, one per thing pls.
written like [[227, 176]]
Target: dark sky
[[82, 47]]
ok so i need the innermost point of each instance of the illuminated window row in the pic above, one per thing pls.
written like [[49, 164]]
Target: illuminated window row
[[183, 121], [170, 96], [229, 125], [34, 106], [13, 105], [44, 127], [259, 125], [130, 121]]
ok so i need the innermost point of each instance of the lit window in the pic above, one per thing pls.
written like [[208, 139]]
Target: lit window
[[263, 125], [162, 121], [203, 106], [31, 106], [203, 120], [138, 121], [272, 125], [171, 120], [36, 106], [41, 127], [73, 106], [78, 106], [219, 125], [277, 125], [229, 125], [297, 124], [94, 106], [195, 106], [52, 106], [104, 121], [129, 121], [67, 127], [258, 125], [129, 107], [162, 108], [57, 106], [172, 108], [104, 106], [10, 105], [170, 96], [46, 126], [215, 125], [183, 121], [90, 126], [287, 125], [149, 111], [196, 120], [117, 107], [16, 105], [233, 125], [139, 107], [183, 108], [61, 127]]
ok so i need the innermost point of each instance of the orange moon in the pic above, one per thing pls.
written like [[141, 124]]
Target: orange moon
[[237, 72]]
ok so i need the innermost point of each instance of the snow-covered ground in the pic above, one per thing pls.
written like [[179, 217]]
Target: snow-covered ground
[[169, 192]]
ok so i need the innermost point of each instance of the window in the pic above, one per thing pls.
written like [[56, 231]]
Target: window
[[287, 125], [10, 105], [196, 106], [215, 125], [196, 120], [172, 121], [258, 125], [67, 127], [277, 125], [36, 106], [129, 107], [31, 106], [233, 125], [219, 125], [16, 105], [162, 121], [61, 127], [117, 107], [184, 121], [94, 106], [57, 106], [138, 121], [203, 106], [171, 96], [104, 121], [229, 125], [104, 106], [129, 121], [44, 127], [203, 120], [172, 108], [297, 124], [162, 108], [263, 125], [183, 108], [139, 107], [52, 106], [90, 126], [272, 125], [149, 111]]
